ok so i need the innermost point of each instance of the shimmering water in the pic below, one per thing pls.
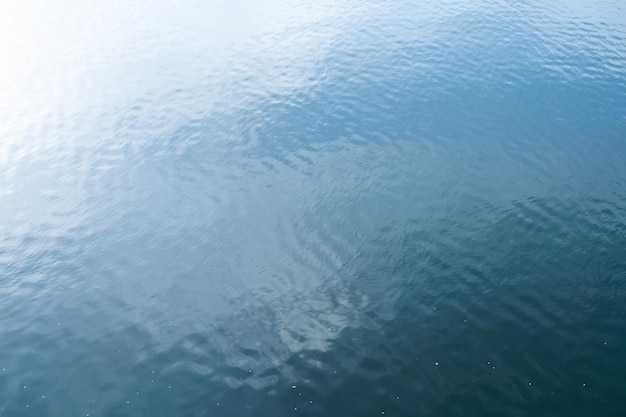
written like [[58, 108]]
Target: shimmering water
[[330, 208]]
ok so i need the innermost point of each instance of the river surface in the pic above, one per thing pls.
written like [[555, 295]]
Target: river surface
[[329, 208]]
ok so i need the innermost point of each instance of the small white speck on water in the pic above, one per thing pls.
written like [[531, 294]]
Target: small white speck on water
[[436, 363], [153, 371], [300, 394], [249, 371], [493, 367], [488, 362], [382, 412], [464, 321], [584, 385], [218, 404], [127, 402], [295, 408], [43, 397], [27, 405], [530, 383], [310, 401], [169, 386], [293, 387], [397, 398], [24, 386], [137, 392], [605, 343], [59, 323], [152, 380], [434, 308]]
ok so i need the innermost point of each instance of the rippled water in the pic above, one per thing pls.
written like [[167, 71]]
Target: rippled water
[[348, 208]]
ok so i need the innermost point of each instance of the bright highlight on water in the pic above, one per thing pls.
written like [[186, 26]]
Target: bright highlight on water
[[332, 208]]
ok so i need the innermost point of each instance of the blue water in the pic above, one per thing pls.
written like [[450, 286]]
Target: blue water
[[331, 208]]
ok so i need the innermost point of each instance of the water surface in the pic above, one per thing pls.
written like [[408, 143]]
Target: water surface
[[347, 208]]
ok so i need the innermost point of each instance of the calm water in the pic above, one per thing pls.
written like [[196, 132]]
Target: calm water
[[330, 208]]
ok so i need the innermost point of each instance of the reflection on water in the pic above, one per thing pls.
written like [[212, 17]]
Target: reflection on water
[[348, 208]]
